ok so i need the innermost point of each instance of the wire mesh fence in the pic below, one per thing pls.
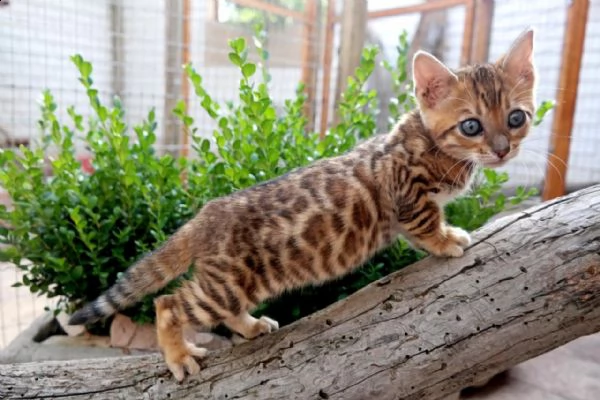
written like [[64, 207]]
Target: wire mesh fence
[[584, 165], [137, 49], [510, 17]]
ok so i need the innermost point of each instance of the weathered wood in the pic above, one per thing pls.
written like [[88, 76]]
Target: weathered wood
[[528, 284]]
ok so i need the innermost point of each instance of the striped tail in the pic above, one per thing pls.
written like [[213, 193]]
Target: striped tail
[[148, 275]]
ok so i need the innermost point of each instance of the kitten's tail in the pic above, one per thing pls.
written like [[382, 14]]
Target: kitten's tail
[[148, 275]]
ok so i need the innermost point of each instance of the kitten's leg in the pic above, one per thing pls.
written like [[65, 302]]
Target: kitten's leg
[[427, 229], [250, 327], [178, 353]]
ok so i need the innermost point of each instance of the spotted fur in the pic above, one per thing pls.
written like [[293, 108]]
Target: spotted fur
[[322, 221]]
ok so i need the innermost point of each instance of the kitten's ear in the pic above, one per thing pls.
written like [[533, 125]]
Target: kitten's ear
[[432, 79], [518, 61]]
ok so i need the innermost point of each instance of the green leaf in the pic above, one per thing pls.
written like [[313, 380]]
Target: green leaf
[[85, 68], [238, 45], [542, 110], [248, 70], [235, 59], [205, 145]]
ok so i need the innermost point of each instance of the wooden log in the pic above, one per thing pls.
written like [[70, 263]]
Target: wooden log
[[529, 283]]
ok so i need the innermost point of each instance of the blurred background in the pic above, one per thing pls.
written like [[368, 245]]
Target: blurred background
[[137, 49]]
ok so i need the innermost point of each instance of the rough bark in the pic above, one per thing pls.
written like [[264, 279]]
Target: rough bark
[[528, 284]]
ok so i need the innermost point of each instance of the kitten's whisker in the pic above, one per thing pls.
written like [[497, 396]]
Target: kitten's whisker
[[545, 155], [528, 172], [519, 82], [528, 139], [459, 175], [549, 162], [465, 101], [463, 159]]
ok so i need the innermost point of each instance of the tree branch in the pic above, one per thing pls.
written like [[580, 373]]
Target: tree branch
[[529, 283]]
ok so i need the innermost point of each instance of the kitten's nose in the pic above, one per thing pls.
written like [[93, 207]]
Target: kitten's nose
[[500, 146], [501, 153]]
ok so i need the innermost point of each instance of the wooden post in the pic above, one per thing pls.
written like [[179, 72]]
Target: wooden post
[[566, 98], [271, 8], [327, 58], [309, 65], [173, 60], [213, 10], [484, 15], [425, 38], [354, 25], [117, 47], [416, 8], [185, 83], [467, 44]]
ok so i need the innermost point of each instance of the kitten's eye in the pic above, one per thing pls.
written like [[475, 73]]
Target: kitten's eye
[[470, 127], [516, 119]]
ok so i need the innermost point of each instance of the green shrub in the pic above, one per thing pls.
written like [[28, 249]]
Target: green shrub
[[79, 230]]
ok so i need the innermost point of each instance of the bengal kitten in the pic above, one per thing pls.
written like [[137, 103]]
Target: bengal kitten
[[322, 221]]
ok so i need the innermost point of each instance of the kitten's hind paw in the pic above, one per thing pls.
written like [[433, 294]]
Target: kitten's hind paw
[[182, 360]]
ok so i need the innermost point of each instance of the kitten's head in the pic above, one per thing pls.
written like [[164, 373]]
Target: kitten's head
[[481, 112]]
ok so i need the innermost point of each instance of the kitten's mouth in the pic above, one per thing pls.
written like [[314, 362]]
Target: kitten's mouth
[[495, 164]]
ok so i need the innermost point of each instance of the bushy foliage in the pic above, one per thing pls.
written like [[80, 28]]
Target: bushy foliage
[[74, 231]]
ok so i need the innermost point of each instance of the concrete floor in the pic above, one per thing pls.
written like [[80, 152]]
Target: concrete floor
[[18, 307], [570, 372]]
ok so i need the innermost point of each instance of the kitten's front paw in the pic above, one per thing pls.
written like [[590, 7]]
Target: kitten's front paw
[[448, 242], [441, 246], [458, 235], [271, 324], [449, 250]]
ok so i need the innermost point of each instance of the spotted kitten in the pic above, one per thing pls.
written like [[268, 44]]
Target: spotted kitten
[[322, 221]]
